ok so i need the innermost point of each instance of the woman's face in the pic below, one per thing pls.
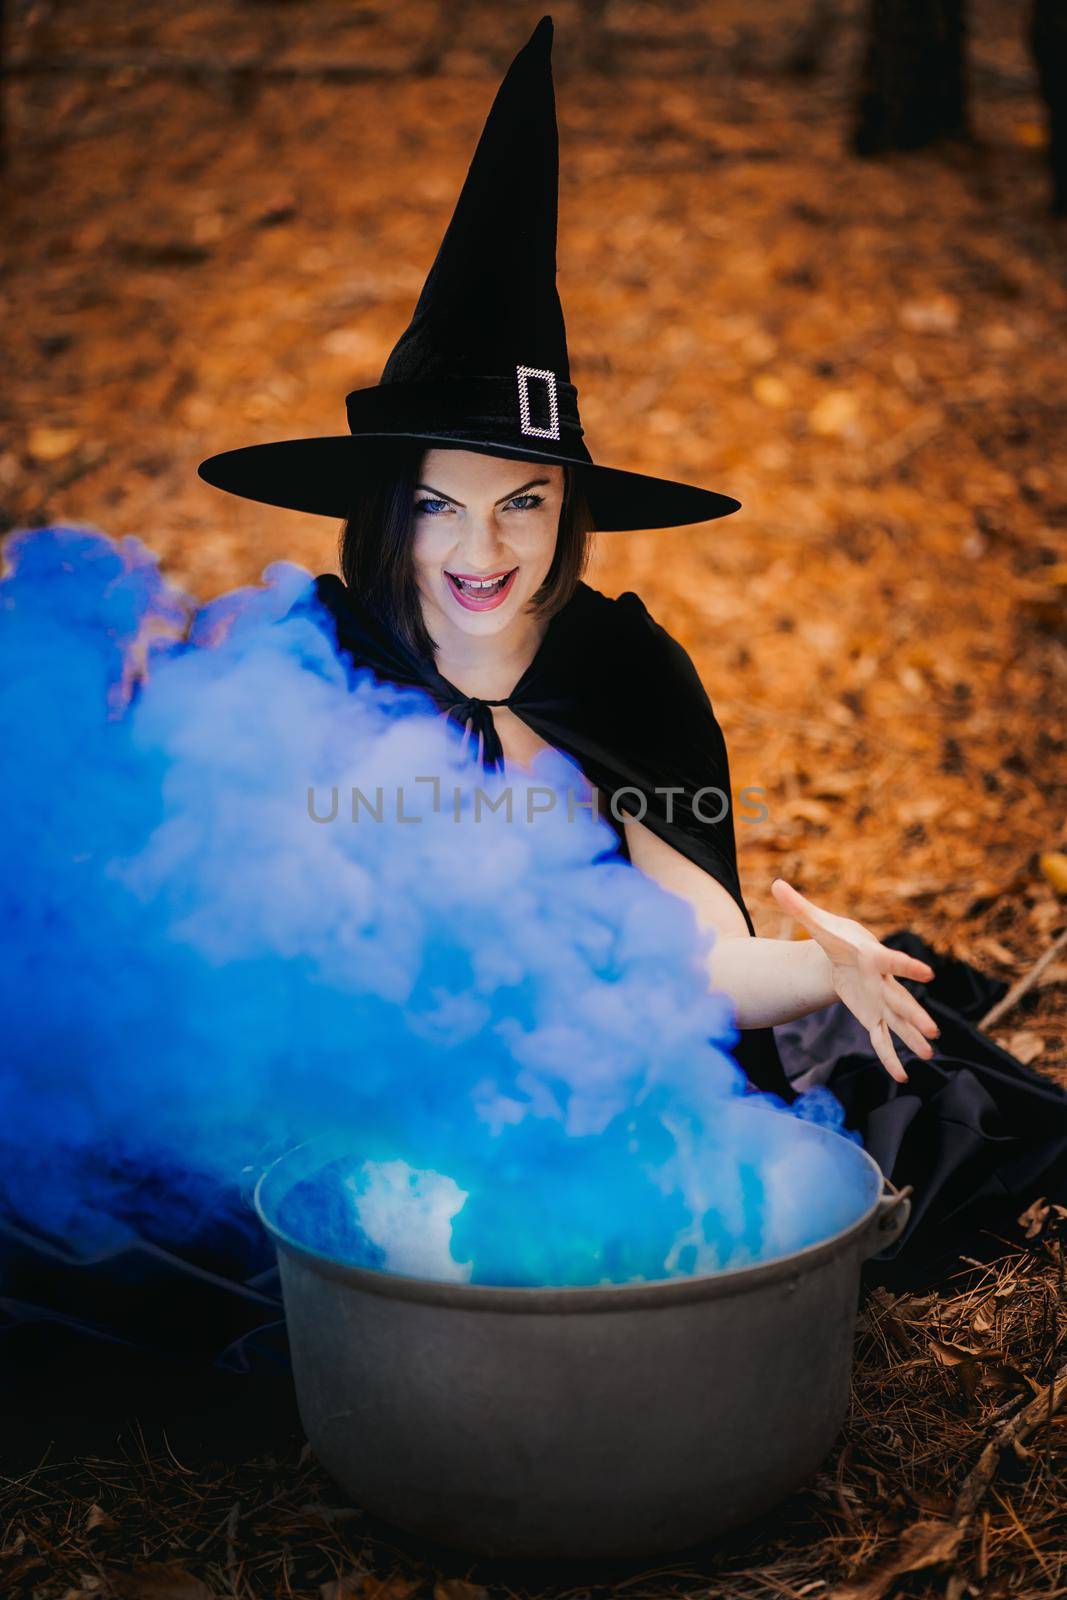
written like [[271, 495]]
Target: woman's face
[[480, 520]]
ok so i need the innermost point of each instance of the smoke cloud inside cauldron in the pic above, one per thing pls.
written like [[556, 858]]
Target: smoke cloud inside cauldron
[[505, 1045]]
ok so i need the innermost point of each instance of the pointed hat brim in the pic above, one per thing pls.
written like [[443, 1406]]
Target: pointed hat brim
[[321, 476]]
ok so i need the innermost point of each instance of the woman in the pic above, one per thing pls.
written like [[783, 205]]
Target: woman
[[467, 493]]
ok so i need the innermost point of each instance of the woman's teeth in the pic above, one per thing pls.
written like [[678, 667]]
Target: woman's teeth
[[482, 587], [481, 594]]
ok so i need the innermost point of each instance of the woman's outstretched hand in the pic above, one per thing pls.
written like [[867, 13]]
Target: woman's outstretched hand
[[866, 975]]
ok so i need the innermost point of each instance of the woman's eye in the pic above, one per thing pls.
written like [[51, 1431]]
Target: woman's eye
[[429, 505], [531, 500]]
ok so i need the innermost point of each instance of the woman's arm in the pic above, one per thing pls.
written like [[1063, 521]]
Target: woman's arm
[[775, 980]]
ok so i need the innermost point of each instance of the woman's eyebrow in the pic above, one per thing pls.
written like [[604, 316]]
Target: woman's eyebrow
[[532, 484], [439, 493], [510, 496]]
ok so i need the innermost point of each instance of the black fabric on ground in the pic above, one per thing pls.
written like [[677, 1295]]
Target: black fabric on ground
[[975, 1132]]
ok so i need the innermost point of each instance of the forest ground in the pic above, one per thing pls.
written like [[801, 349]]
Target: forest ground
[[867, 354]]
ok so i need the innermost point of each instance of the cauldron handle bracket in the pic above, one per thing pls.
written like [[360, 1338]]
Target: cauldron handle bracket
[[889, 1221]]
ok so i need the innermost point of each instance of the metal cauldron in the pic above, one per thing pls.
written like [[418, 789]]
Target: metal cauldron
[[577, 1422]]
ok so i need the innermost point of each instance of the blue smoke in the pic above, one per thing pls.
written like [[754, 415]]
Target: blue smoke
[[503, 1028]]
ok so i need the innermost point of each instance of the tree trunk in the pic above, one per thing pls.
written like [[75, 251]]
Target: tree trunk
[[913, 82], [1048, 44]]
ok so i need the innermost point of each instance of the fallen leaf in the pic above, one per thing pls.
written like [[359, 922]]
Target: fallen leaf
[[1025, 1045], [968, 1365], [458, 1589], [829, 786], [978, 1369], [770, 390], [395, 1588], [14, 1567], [939, 314], [1000, 336], [915, 888], [951, 1355], [1000, 1375], [52, 444], [809, 810], [983, 1318], [934, 1505], [1042, 603], [998, 951], [342, 1588], [164, 1580], [1033, 135], [1034, 1218], [834, 414], [927, 1543], [97, 1517], [912, 681], [1053, 865], [926, 809], [352, 343], [316, 1512]]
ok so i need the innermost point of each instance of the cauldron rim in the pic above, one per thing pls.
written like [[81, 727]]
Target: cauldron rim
[[876, 1226]]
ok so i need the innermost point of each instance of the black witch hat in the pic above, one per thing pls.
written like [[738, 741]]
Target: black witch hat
[[483, 365]]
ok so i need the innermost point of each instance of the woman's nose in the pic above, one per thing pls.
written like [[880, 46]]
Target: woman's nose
[[482, 543]]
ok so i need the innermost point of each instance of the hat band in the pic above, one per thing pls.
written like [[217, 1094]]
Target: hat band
[[532, 406]]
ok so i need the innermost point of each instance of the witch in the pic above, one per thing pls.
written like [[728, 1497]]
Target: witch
[[467, 497]]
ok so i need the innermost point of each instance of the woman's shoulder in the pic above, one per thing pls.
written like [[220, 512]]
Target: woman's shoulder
[[331, 605], [325, 590], [329, 601], [625, 614], [626, 610], [640, 640], [330, 591]]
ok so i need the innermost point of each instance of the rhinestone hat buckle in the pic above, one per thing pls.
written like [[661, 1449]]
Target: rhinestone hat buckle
[[524, 374]]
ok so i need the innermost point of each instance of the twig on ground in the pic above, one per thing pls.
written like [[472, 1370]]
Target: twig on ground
[[1025, 983]]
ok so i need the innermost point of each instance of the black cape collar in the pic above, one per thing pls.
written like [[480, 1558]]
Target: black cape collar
[[539, 696]]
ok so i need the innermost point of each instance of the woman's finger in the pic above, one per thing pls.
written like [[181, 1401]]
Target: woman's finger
[[883, 1046], [791, 900], [910, 1035], [819, 923], [905, 1004], [902, 965], [798, 905]]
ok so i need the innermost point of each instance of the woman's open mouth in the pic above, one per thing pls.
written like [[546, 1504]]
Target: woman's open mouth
[[480, 593]]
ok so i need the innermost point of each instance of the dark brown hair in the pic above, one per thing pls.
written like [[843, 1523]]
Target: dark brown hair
[[375, 547]]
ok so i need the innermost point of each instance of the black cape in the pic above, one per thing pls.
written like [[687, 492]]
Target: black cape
[[977, 1134]]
